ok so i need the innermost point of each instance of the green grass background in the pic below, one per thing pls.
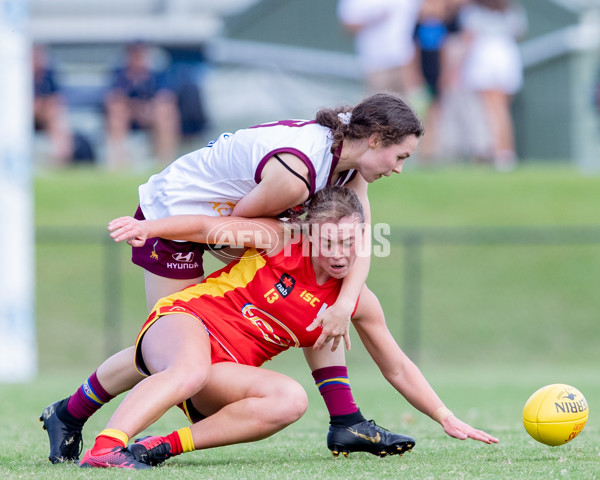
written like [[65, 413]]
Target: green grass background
[[497, 322]]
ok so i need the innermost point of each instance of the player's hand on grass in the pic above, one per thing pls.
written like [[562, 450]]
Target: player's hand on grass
[[335, 321], [458, 429], [129, 229]]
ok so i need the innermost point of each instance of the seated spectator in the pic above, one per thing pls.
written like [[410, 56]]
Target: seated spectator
[[139, 99], [49, 110]]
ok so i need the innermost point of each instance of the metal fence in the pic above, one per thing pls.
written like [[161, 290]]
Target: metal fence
[[414, 241], [409, 246], [110, 273]]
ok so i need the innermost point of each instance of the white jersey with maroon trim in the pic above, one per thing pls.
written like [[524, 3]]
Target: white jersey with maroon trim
[[213, 179]]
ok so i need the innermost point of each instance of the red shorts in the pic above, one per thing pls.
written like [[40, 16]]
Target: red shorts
[[217, 353], [167, 258]]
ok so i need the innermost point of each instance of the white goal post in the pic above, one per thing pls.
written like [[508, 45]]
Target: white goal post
[[18, 351]]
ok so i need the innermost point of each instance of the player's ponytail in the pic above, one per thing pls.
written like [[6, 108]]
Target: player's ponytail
[[384, 114], [335, 120]]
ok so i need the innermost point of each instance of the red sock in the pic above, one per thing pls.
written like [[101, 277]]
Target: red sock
[[175, 442], [105, 443], [88, 398], [334, 386]]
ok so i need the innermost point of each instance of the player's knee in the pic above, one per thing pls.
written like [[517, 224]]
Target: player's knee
[[291, 403], [188, 383]]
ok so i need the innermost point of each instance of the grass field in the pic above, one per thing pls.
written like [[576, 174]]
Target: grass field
[[497, 322], [491, 399]]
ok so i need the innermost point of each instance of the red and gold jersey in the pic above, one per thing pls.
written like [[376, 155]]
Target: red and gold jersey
[[257, 306]]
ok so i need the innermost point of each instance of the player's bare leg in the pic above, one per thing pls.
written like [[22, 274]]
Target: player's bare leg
[[118, 374], [115, 375], [241, 404], [245, 404], [176, 350]]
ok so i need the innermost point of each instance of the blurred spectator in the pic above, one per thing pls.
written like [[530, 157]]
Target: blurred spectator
[[189, 102], [383, 33], [437, 20], [140, 99], [493, 67], [463, 132], [49, 110]]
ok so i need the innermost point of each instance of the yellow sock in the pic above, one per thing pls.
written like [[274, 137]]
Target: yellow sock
[[185, 437]]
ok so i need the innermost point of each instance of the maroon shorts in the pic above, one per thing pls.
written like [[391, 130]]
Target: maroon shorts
[[167, 258]]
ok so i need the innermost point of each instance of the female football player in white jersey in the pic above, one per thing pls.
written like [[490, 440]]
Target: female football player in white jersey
[[266, 170]]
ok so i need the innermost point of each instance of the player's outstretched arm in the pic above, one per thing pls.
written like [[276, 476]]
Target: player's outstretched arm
[[264, 233], [402, 373]]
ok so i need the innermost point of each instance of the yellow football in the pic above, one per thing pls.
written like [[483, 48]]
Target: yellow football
[[555, 414]]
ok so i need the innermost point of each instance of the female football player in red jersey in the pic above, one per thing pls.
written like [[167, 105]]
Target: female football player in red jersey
[[258, 171], [201, 347]]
